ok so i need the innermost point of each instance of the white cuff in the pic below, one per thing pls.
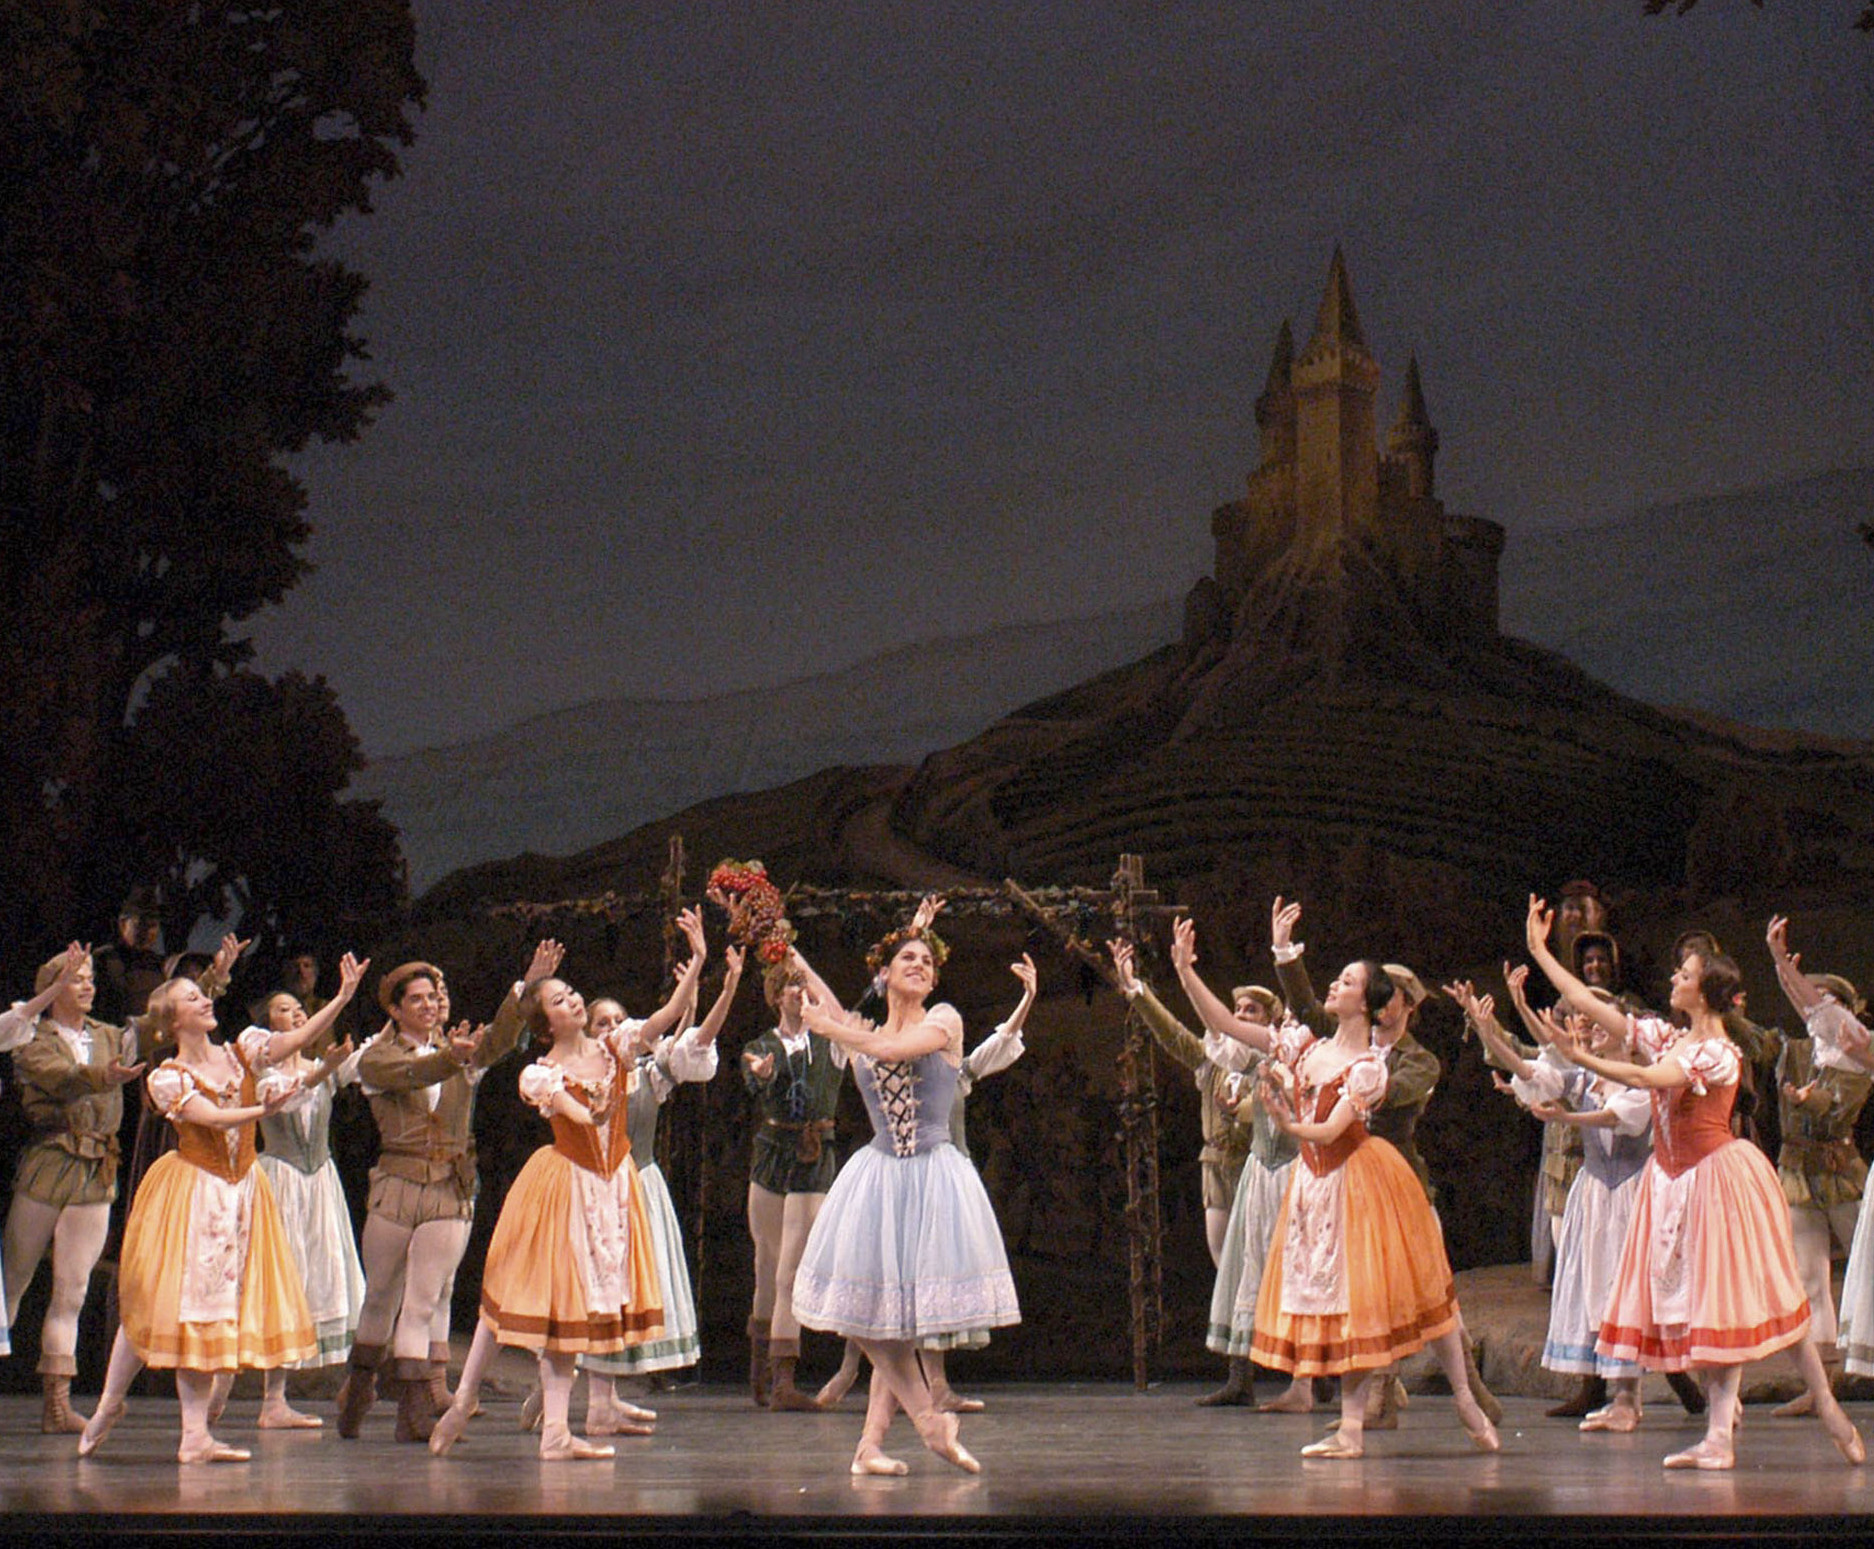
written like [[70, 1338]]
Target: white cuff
[[1289, 953]]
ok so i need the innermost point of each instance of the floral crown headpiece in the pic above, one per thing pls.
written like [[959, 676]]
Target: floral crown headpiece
[[757, 911], [886, 947]]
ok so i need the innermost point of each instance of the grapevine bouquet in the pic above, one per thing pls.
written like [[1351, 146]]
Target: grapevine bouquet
[[757, 912]]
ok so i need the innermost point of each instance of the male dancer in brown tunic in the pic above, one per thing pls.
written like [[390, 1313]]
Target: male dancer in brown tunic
[[421, 1080]]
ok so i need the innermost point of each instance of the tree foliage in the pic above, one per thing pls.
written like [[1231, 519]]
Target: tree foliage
[[1865, 22], [169, 331]]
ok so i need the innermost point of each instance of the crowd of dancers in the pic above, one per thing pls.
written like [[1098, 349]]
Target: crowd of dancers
[[1677, 1247]]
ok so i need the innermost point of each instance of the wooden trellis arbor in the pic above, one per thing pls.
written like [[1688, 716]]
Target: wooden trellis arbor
[[1078, 918]]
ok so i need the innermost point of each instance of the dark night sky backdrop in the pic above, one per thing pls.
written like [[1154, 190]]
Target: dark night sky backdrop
[[736, 341]]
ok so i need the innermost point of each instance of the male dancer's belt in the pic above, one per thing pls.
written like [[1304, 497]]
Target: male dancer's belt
[[810, 1136]]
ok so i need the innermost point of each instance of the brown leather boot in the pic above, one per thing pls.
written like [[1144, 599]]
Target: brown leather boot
[[57, 1418], [358, 1392], [1590, 1394], [1687, 1392], [758, 1361], [416, 1413], [1237, 1387], [782, 1394], [436, 1380]]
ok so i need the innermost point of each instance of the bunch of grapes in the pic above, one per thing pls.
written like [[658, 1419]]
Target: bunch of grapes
[[757, 916]]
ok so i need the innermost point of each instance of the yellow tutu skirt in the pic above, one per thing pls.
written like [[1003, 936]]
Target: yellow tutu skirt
[[571, 1267], [1398, 1290], [206, 1279]]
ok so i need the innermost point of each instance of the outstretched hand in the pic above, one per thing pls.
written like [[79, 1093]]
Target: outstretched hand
[[1778, 937], [1123, 967], [927, 911], [1536, 927], [1183, 944], [351, 971], [229, 953], [548, 956], [1025, 972], [1283, 918], [464, 1040], [690, 922], [117, 1073], [1516, 977]]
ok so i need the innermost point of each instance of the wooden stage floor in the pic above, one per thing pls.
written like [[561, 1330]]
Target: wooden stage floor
[[1087, 1460]]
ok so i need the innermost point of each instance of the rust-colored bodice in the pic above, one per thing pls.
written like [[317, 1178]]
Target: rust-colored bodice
[[602, 1147], [1689, 1126], [225, 1153], [1323, 1159]]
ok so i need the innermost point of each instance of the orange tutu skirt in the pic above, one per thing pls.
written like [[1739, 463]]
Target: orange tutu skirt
[[571, 1268], [1397, 1285], [1708, 1275], [206, 1279]]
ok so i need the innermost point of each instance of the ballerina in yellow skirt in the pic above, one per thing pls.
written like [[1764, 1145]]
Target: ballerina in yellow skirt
[[572, 1268], [206, 1282]]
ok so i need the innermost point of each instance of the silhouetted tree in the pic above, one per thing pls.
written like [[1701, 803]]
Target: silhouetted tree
[[1865, 22], [168, 332]]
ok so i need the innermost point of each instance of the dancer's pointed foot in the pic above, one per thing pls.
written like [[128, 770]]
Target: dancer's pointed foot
[[106, 1415], [616, 1424], [1708, 1454], [1841, 1430], [832, 1391], [561, 1446], [957, 1404], [1617, 1417], [532, 1407], [284, 1417], [869, 1460], [1802, 1404], [1332, 1446], [448, 1429], [1478, 1425], [208, 1450], [938, 1431], [635, 1412]]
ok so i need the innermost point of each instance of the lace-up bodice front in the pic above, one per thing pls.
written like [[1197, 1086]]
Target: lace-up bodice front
[[908, 1101]]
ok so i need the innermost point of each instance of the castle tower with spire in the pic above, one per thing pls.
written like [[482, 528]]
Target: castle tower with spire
[[1352, 540]]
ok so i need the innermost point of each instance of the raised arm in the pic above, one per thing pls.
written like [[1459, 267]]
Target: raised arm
[[1573, 991], [711, 1025], [1291, 973], [842, 1027], [665, 1017], [17, 1023], [283, 1046], [1480, 1013], [1797, 989], [1170, 1034], [1216, 1016], [1662, 1074]]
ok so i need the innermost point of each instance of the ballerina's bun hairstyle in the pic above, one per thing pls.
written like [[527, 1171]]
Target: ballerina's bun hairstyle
[[1719, 982], [390, 988], [1380, 987], [1841, 989], [159, 1011]]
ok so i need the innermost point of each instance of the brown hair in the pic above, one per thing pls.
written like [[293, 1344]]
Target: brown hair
[[390, 988], [775, 978], [1719, 982], [49, 970]]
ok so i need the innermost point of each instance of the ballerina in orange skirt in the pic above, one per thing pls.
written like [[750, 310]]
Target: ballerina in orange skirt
[[572, 1268], [1357, 1278], [1708, 1278], [206, 1279]]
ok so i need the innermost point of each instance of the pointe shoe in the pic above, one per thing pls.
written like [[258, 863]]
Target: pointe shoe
[[1703, 1456], [212, 1451], [106, 1415], [957, 1404], [636, 1412], [869, 1460], [532, 1407], [560, 1446], [1802, 1404], [1618, 1418], [1483, 1436], [1332, 1446], [1847, 1439], [448, 1429], [287, 1418], [938, 1432]]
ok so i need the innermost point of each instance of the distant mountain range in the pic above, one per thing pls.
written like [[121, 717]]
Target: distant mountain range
[[1756, 606]]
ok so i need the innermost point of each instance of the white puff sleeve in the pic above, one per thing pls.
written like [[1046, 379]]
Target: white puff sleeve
[[540, 1084], [1365, 1085], [688, 1058], [170, 1085], [1710, 1062]]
